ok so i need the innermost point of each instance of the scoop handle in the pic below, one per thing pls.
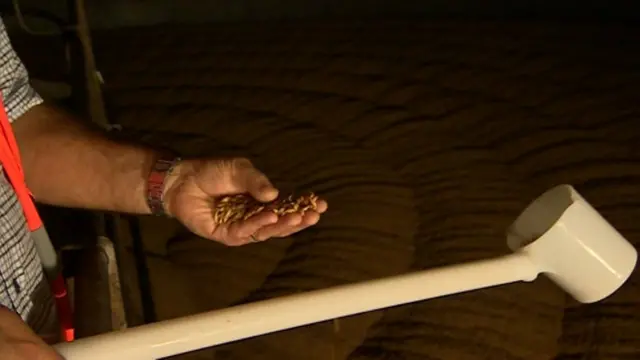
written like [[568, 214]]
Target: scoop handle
[[177, 336]]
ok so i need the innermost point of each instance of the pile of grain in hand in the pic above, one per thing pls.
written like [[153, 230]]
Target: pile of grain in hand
[[232, 208]]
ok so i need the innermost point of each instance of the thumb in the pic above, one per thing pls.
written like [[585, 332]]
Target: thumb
[[251, 180]]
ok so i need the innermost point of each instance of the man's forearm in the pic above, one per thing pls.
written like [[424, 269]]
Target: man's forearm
[[68, 163]]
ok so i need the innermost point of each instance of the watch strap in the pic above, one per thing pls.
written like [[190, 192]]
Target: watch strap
[[161, 168]]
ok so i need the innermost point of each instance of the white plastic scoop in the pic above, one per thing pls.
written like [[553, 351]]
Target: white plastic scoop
[[559, 235]]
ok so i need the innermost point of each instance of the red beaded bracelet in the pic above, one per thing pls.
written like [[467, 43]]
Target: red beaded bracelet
[[162, 167]]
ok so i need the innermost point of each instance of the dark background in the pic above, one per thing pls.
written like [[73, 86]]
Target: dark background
[[119, 13]]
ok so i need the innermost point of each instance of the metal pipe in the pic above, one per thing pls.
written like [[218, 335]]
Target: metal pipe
[[559, 235], [172, 337]]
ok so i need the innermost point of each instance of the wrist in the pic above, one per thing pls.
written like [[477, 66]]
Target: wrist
[[172, 183]]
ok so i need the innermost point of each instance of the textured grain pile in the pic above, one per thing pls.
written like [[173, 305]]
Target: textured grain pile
[[232, 208], [426, 139]]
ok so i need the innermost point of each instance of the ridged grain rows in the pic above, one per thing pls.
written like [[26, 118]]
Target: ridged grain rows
[[427, 140]]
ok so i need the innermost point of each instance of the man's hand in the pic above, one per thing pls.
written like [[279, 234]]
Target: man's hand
[[19, 342], [194, 185]]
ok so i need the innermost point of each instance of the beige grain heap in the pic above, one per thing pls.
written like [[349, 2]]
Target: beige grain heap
[[241, 207]]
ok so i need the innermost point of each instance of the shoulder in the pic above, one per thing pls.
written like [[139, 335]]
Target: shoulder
[[17, 94]]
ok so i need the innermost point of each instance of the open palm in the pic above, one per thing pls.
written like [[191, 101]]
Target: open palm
[[191, 192]]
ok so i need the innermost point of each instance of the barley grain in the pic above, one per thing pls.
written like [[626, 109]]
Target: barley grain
[[228, 209]]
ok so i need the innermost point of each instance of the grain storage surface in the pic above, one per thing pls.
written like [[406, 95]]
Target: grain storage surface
[[426, 139]]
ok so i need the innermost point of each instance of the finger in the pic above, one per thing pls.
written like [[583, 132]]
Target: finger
[[253, 181], [321, 206], [30, 350], [242, 230], [310, 218], [285, 222]]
